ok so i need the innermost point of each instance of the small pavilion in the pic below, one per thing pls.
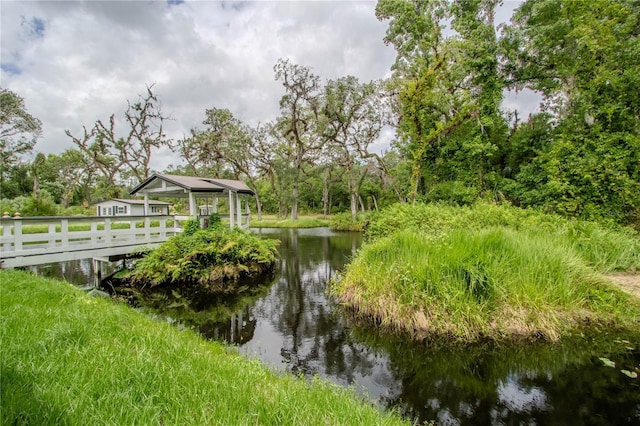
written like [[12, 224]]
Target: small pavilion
[[198, 188]]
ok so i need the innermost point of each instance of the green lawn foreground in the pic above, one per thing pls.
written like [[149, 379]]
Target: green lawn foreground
[[68, 358]]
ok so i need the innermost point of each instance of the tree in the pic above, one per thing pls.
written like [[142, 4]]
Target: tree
[[113, 155], [583, 58], [19, 132], [352, 120], [233, 144], [449, 89], [64, 175], [297, 125]]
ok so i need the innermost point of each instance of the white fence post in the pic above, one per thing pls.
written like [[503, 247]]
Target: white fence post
[[64, 232], [17, 234]]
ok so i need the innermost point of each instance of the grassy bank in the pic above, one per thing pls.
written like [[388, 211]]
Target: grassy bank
[[71, 359], [301, 222], [488, 272]]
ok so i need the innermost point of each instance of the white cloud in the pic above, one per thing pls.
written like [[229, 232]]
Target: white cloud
[[92, 56]]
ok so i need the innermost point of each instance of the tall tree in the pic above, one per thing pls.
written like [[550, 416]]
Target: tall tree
[[297, 125], [112, 153], [352, 121], [448, 86], [64, 175], [431, 103], [583, 57], [19, 131], [234, 143]]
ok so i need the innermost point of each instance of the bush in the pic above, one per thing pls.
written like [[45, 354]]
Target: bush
[[454, 193], [344, 221], [214, 221], [41, 206], [208, 259], [190, 227]]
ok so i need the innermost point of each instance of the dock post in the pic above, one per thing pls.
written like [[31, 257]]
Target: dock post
[[96, 263]]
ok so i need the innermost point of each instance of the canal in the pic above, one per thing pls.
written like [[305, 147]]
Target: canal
[[291, 324]]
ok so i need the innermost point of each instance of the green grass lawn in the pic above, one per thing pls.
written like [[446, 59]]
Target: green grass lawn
[[271, 221], [69, 359]]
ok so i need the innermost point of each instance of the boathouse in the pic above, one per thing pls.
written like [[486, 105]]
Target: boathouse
[[201, 192]]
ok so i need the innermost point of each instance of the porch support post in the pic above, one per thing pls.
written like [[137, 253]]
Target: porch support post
[[239, 209], [215, 204], [146, 204], [231, 209], [192, 205]]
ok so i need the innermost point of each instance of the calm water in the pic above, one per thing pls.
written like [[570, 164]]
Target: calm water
[[291, 324]]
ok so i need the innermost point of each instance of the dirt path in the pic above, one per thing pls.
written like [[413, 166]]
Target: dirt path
[[627, 282]]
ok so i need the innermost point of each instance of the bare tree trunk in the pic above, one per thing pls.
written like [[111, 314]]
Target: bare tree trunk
[[361, 203], [258, 205], [375, 202], [325, 195], [354, 205]]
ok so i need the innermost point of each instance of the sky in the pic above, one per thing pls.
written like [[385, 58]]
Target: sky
[[75, 62]]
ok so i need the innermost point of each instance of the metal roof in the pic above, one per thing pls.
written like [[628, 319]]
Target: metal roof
[[193, 184], [136, 202]]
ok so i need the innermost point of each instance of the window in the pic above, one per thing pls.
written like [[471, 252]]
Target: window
[[104, 211], [122, 210]]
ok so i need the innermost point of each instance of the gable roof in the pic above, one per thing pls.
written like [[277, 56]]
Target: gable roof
[[135, 202], [194, 184]]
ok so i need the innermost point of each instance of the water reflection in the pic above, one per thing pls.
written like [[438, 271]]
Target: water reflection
[[78, 272], [291, 324]]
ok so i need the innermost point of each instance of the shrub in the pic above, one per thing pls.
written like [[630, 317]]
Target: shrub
[[344, 221], [208, 259], [190, 227]]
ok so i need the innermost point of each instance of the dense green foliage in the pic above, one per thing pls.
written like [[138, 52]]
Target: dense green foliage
[[212, 259], [578, 156], [69, 359], [489, 271]]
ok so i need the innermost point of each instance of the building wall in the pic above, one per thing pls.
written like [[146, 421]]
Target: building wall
[[118, 208]]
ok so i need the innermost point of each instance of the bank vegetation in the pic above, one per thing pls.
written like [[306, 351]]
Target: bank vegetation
[[489, 272]]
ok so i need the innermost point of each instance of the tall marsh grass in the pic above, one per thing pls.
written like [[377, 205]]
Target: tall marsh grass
[[69, 359], [606, 247], [488, 271]]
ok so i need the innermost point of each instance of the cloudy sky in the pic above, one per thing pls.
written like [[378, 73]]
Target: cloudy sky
[[76, 62]]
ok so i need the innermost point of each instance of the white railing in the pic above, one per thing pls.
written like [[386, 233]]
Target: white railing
[[32, 240]]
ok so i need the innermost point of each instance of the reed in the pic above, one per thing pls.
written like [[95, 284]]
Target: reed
[[468, 285], [69, 359], [604, 246]]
